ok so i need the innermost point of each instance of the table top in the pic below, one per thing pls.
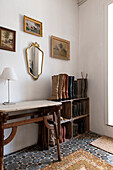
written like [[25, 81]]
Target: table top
[[25, 105]]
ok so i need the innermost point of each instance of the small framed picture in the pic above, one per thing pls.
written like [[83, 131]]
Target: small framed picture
[[7, 39], [60, 48], [32, 26]]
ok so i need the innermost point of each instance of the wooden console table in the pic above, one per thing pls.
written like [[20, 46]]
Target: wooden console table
[[36, 111]]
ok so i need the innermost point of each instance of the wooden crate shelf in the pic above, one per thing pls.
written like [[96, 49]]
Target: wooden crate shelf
[[70, 119]]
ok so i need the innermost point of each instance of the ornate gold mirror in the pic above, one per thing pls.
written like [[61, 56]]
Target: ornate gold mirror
[[35, 58]]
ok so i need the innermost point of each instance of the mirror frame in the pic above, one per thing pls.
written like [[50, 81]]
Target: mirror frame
[[37, 46]]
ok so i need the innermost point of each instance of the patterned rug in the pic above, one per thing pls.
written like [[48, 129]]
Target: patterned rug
[[80, 160], [105, 143]]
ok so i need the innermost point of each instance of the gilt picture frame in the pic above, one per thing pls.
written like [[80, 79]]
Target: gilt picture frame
[[60, 48], [7, 39], [32, 26]]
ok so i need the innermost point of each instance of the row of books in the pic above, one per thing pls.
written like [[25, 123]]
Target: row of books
[[79, 128], [63, 134], [79, 108], [80, 88], [52, 138], [77, 88]]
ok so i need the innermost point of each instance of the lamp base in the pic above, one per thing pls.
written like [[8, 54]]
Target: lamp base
[[8, 103]]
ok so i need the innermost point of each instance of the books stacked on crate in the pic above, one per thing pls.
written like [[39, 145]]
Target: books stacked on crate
[[80, 87], [77, 88], [65, 87]]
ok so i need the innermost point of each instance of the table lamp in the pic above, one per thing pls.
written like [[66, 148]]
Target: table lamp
[[8, 74]]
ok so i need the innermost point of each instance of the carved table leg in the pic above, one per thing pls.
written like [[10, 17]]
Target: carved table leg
[[1, 140], [57, 136], [59, 126], [45, 140]]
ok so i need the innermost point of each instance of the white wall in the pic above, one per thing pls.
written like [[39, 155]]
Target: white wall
[[110, 64], [92, 59], [60, 18]]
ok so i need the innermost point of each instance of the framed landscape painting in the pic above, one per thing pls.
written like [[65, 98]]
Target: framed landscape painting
[[60, 48], [7, 39], [32, 26]]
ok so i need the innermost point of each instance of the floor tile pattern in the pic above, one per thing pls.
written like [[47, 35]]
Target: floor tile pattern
[[33, 159]]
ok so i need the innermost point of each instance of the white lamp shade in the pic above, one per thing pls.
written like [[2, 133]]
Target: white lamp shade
[[8, 74]]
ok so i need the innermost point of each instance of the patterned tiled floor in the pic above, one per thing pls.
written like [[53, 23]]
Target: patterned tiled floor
[[35, 160]]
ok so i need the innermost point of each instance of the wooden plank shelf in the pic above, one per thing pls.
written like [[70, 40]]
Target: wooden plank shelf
[[80, 117], [75, 99], [65, 121]]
